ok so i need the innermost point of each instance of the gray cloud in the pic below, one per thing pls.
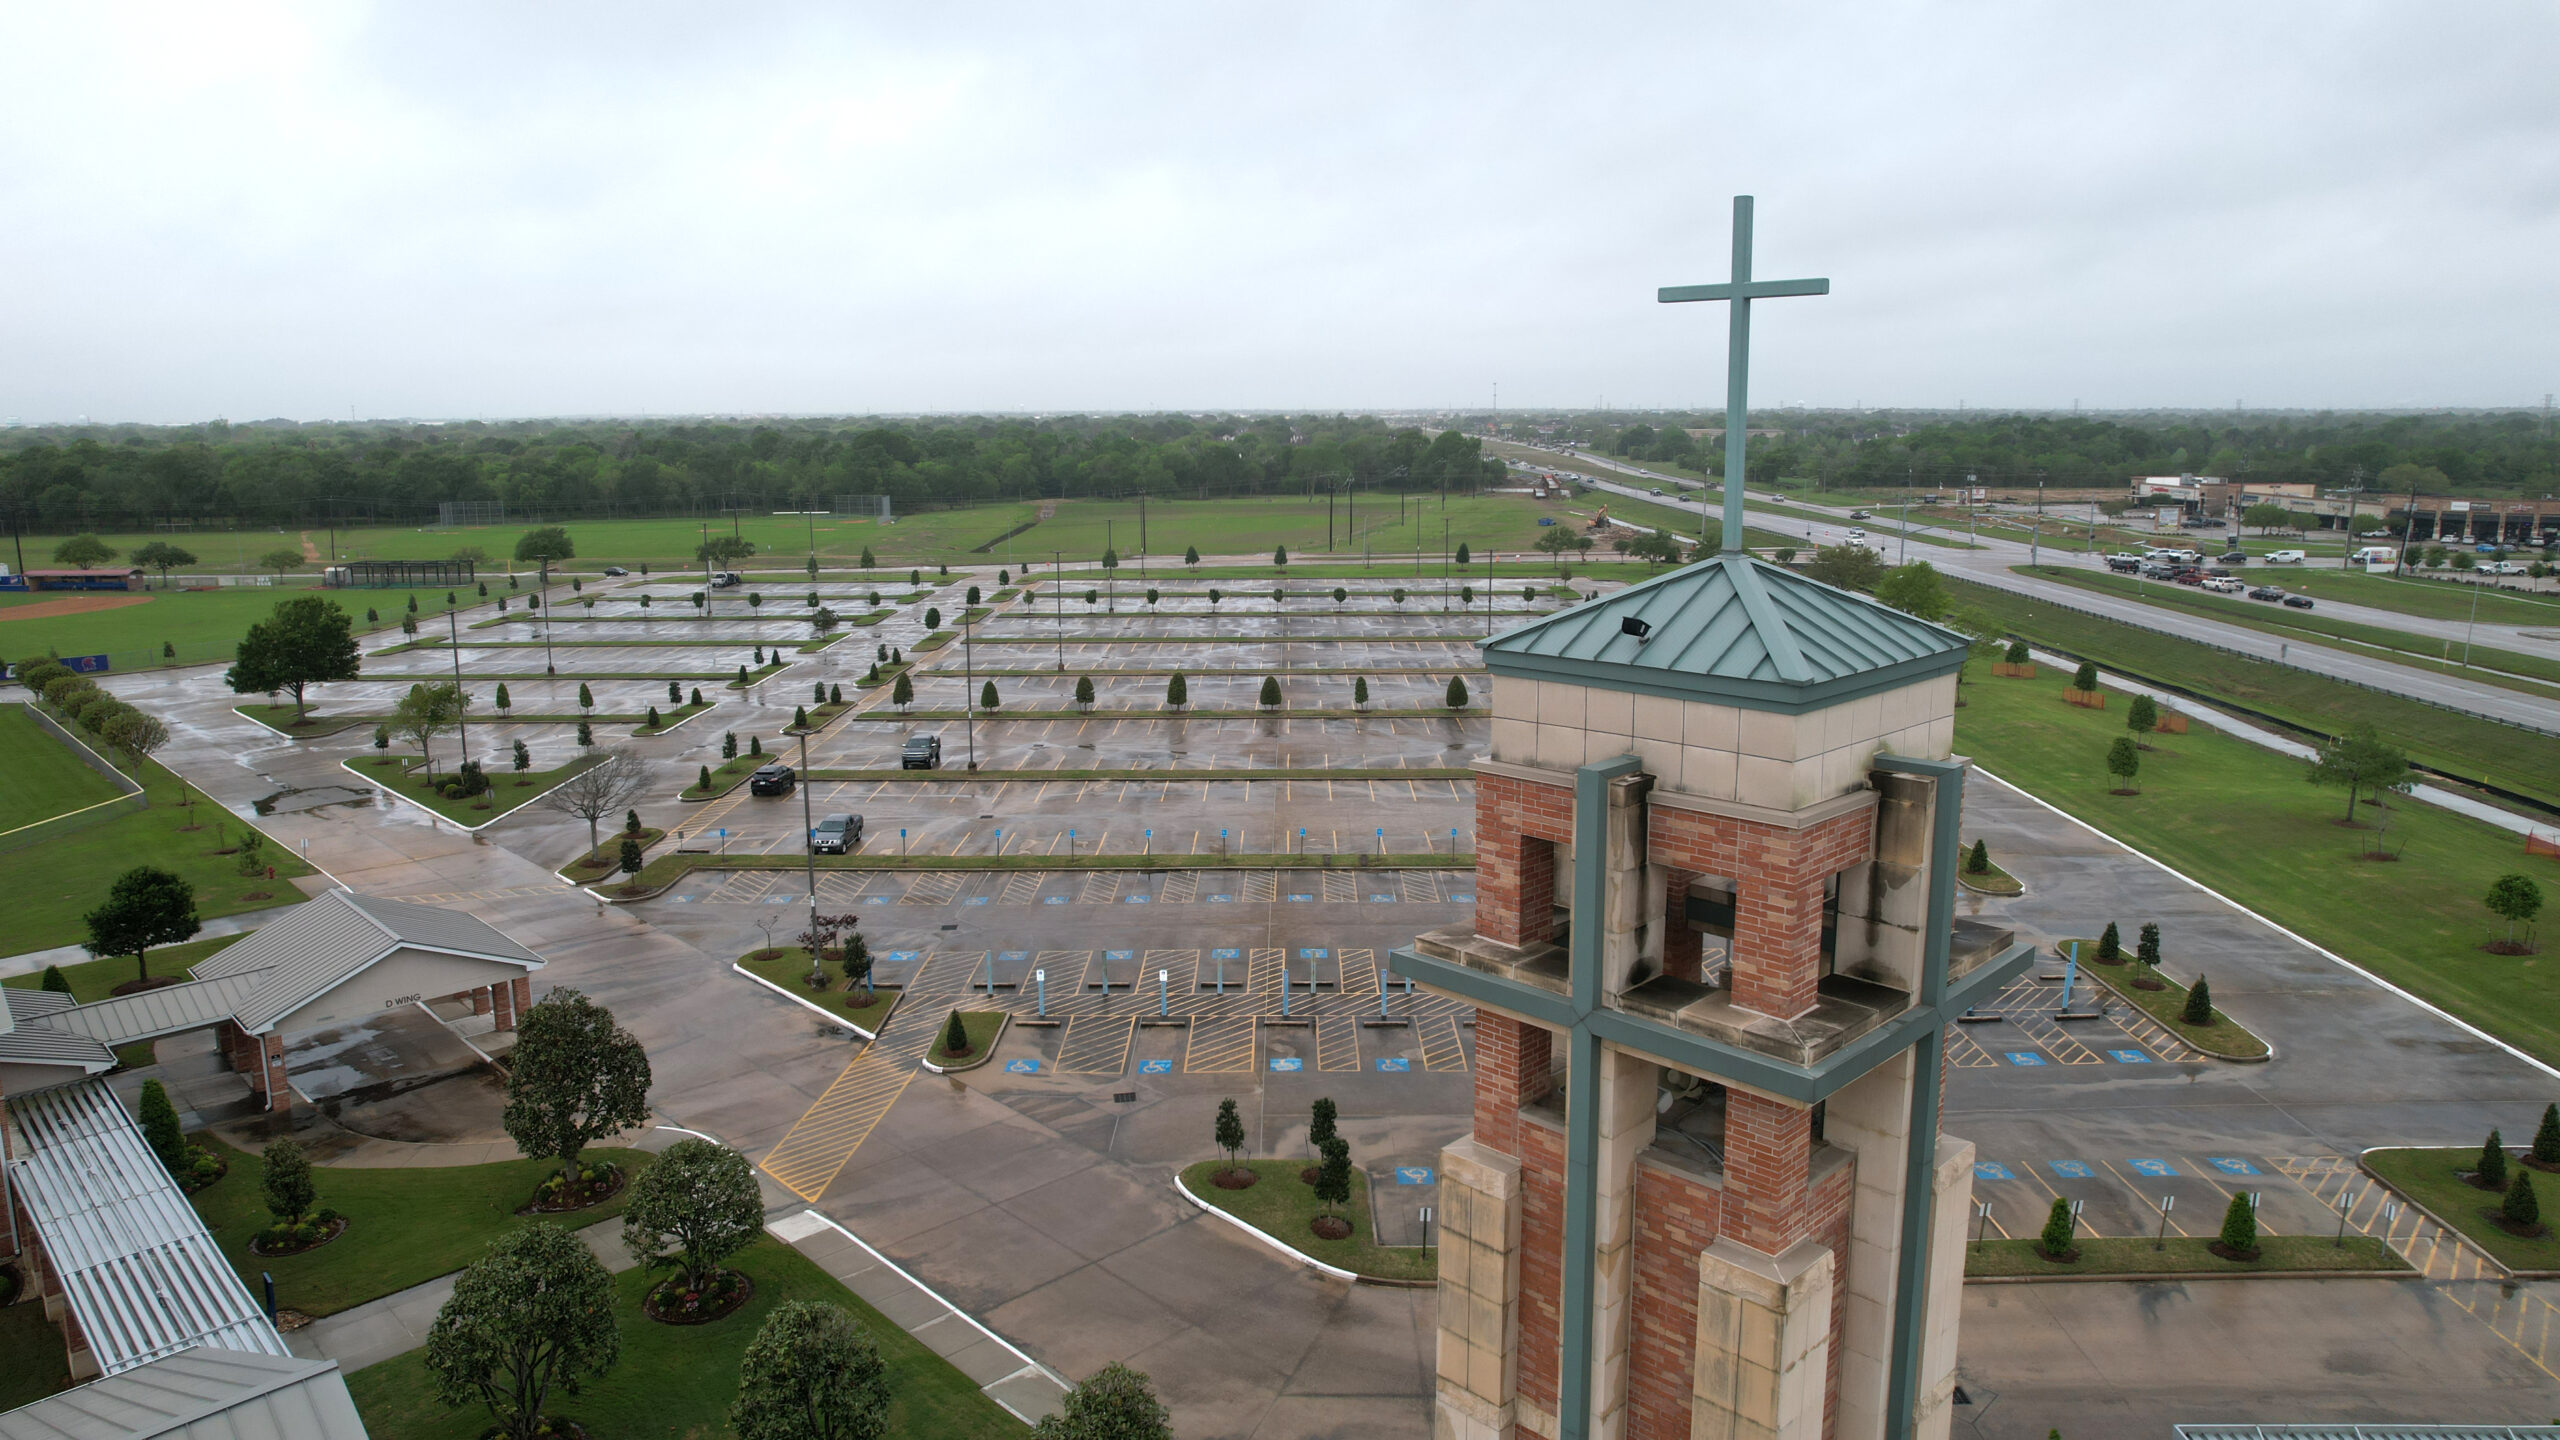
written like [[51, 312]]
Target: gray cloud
[[543, 210]]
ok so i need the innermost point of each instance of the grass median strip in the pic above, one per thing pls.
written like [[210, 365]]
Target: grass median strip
[[2435, 1179], [2223, 1037], [1284, 1207], [2179, 1255], [2448, 743], [507, 792], [787, 967]]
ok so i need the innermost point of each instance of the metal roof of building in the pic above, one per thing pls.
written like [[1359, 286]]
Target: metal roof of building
[[313, 948], [36, 1042], [2369, 1432], [199, 1394], [150, 1014], [140, 1272], [1730, 630], [26, 1005]]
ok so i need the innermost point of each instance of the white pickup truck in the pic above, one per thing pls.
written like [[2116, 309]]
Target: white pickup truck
[[2225, 585], [2286, 557]]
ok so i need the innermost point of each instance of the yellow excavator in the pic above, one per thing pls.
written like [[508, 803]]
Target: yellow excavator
[[1600, 521]]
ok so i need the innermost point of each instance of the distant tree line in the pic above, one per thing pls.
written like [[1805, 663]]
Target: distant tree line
[[64, 479]]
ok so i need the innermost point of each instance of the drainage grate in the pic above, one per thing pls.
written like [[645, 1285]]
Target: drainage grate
[[950, 927], [1124, 1097]]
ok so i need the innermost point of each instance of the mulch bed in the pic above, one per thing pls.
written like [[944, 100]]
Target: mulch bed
[[668, 1304], [188, 1184], [1236, 1179], [2147, 983], [1330, 1227], [1308, 1175], [2507, 947], [2521, 1232], [136, 987], [2067, 1257], [578, 1195], [336, 1228], [2472, 1179], [2124, 792], [2545, 1166], [2245, 1257], [553, 1427]]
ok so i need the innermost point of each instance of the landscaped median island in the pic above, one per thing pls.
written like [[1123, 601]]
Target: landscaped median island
[[505, 793], [2443, 1183], [786, 968], [605, 861], [2167, 1002], [670, 719], [1283, 1206], [966, 1040], [2024, 1258], [1980, 873]]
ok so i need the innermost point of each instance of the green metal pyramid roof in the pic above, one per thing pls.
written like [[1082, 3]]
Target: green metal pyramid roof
[[1731, 631]]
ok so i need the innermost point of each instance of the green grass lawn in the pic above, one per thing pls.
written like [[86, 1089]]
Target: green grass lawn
[[982, 1028], [201, 625], [95, 980], [404, 1226], [2180, 1255], [1283, 1206], [677, 1381], [1990, 879], [33, 1363], [2167, 1005], [55, 883], [2502, 755], [724, 775], [2432, 599], [510, 790], [2242, 820], [2313, 627], [40, 777], [2433, 1178], [788, 968]]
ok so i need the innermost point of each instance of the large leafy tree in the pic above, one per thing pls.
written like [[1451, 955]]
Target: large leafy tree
[[283, 560], [2359, 761], [532, 1316], [1847, 567], [545, 544], [574, 1078], [427, 711], [1913, 589], [307, 641], [695, 1207], [811, 1374], [83, 552], [1113, 1403], [162, 556], [146, 906], [724, 549], [2514, 899]]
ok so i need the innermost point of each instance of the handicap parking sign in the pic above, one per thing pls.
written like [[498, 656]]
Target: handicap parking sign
[[1413, 1174], [975, 900], [1288, 1064], [1382, 899], [2158, 1169], [2230, 1166], [1991, 1170], [1022, 1067], [1137, 899], [879, 900], [2025, 1057], [1462, 899], [1312, 953], [1397, 1066], [2130, 1057], [1155, 1067], [1299, 897], [2075, 1169]]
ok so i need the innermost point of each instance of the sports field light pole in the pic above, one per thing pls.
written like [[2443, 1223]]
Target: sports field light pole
[[461, 706], [969, 687], [1058, 595]]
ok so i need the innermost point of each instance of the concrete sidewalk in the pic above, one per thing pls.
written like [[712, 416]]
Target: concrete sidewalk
[[397, 1323]]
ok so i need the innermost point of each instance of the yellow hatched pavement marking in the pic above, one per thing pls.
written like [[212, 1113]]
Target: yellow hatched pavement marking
[[2055, 1040], [1359, 972], [1964, 1054], [825, 1137], [1340, 889], [840, 888], [1021, 888], [1261, 887], [1181, 967], [1338, 1042], [1419, 887], [1263, 971], [1441, 1048], [1065, 967], [933, 888], [1096, 1044], [1219, 1045], [1100, 888], [1181, 888]]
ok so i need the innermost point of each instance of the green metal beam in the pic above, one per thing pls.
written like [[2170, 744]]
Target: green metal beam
[[1582, 1090]]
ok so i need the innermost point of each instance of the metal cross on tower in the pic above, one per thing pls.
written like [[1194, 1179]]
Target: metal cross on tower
[[1741, 290]]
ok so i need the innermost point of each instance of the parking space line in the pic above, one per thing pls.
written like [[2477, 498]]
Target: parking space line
[[1338, 1042], [1096, 1044], [1441, 1048]]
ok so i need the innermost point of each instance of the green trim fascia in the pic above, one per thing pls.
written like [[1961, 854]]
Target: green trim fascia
[[1782, 697], [1582, 1090], [1773, 631]]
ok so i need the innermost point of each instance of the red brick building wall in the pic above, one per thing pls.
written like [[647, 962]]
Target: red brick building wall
[[1518, 825], [1831, 1200], [1777, 939], [1515, 1064], [1541, 1262], [1676, 1217]]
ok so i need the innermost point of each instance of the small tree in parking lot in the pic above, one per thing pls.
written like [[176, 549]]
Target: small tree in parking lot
[[2240, 1226], [2058, 1225], [1177, 693], [2110, 946], [1457, 696], [2124, 761], [2521, 1209], [1270, 696], [1360, 692], [903, 693], [1230, 1130], [2147, 948], [1084, 693], [2199, 1008], [2493, 1162]]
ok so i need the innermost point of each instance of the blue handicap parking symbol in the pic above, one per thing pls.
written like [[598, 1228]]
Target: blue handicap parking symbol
[[879, 900], [1396, 1066], [2154, 1168], [777, 899], [1010, 955], [897, 957], [1022, 1067], [975, 900], [684, 899], [1053, 899], [2025, 1057], [1119, 954], [2130, 1057], [1155, 1067], [1288, 1064], [2075, 1169], [1413, 1174], [2231, 1166], [1298, 897], [1312, 952], [1226, 953], [1462, 899], [1382, 899], [1991, 1170], [1219, 899]]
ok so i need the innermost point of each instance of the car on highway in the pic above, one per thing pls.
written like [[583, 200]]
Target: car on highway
[[922, 752], [2223, 585], [1857, 534], [1656, 490], [2188, 575], [2286, 557], [615, 571], [2298, 602], [774, 779], [2266, 592], [2504, 567], [836, 835], [2233, 557], [1860, 515], [2124, 564], [724, 579]]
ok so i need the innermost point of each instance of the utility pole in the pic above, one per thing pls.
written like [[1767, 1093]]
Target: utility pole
[[969, 684], [461, 708], [809, 845], [1058, 607]]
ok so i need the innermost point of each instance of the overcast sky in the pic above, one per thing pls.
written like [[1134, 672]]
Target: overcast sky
[[450, 211]]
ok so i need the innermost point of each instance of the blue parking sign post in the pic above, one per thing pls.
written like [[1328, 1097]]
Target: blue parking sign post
[[1151, 842], [902, 839], [1222, 842], [1302, 839], [1382, 839], [2070, 976]]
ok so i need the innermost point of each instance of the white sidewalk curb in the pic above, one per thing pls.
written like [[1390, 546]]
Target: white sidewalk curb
[[1265, 1236]]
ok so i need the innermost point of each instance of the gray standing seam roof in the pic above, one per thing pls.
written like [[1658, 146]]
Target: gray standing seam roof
[[150, 1014], [140, 1272], [313, 948], [39, 1044], [1734, 631], [25, 1005], [200, 1394]]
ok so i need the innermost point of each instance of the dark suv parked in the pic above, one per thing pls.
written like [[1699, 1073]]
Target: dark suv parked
[[923, 752], [772, 780], [836, 835]]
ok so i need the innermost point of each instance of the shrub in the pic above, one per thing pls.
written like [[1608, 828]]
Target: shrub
[[755, 745], [1270, 697], [1979, 862], [586, 735], [2546, 1141], [654, 722], [290, 1191], [2493, 1162], [160, 1127], [631, 822], [2124, 760], [1360, 690], [799, 717], [955, 1037], [2110, 948], [811, 1374], [2520, 1208], [1084, 692], [1320, 1121], [729, 745], [835, 694], [697, 695], [675, 693], [2086, 677], [1230, 1129], [1457, 692], [2142, 716], [1177, 693], [57, 982], [2058, 1226], [2017, 652], [2240, 1226], [702, 780], [1464, 556], [2199, 1009], [987, 696], [2147, 948], [381, 737], [523, 757], [1333, 1176]]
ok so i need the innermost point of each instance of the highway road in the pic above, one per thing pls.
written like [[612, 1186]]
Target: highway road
[[1990, 565]]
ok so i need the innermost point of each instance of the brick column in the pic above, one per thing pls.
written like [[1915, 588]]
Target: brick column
[[1768, 1167], [1512, 1060], [1777, 936], [1517, 823], [480, 1001], [278, 1091], [1682, 955], [521, 988]]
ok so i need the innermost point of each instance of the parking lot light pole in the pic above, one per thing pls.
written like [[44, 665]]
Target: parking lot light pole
[[462, 716], [1057, 583], [809, 843]]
